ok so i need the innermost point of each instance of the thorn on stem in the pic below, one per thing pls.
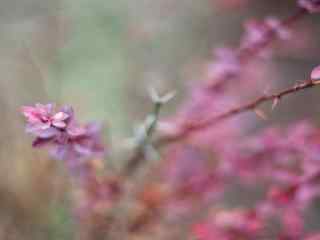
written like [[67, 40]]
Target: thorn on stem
[[275, 103]]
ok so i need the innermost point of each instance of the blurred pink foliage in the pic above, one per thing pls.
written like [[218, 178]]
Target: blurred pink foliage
[[313, 6]]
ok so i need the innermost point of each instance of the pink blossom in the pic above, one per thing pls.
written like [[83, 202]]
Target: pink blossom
[[313, 6], [258, 33], [43, 122], [68, 140], [313, 237], [293, 224], [231, 225], [78, 142], [227, 64], [315, 74]]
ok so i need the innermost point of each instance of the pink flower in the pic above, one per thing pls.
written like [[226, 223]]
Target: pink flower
[[231, 225], [283, 196], [313, 6], [68, 140], [313, 237], [79, 142], [227, 64], [315, 74], [292, 224], [43, 122], [258, 33]]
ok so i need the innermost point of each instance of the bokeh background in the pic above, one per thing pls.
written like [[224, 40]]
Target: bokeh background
[[100, 56]]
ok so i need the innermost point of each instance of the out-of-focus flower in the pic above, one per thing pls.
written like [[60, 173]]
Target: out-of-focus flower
[[231, 225], [313, 6], [292, 225], [258, 33], [78, 143], [97, 196], [313, 237], [315, 74], [227, 64]]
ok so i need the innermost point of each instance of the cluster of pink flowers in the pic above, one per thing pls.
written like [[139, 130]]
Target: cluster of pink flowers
[[68, 140], [313, 6], [257, 33], [207, 154], [77, 146], [233, 224], [251, 224], [287, 166], [234, 62]]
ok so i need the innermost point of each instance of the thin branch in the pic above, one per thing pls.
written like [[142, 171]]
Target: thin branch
[[251, 106], [143, 138], [143, 141]]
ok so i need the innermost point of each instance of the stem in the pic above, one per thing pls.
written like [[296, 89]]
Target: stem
[[149, 131], [251, 106]]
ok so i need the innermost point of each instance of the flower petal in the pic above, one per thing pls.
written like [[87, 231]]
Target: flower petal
[[315, 74], [76, 131], [60, 116], [59, 124], [47, 133], [40, 142]]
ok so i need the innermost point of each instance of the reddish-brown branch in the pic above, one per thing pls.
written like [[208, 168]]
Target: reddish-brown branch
[[251, 106]]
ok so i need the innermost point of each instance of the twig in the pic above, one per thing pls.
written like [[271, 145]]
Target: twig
[[251, 106], [142, 140]]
